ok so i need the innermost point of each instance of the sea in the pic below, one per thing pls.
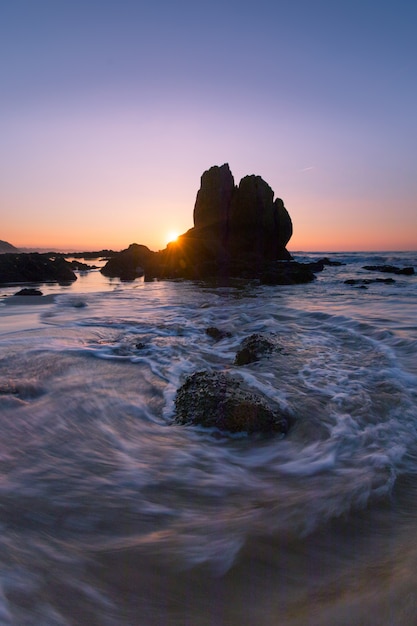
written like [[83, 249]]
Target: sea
[[112, 514]]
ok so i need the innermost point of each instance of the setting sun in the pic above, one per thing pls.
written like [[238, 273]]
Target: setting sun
[[171, 237]]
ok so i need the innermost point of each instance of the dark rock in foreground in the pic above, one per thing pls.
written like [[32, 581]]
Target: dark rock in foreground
[[390, 269], [217, 400], [34, 267], [252, 348]]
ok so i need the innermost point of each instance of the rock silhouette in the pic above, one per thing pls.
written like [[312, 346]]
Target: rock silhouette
[[128, 264], [239, 231], [34, 267]]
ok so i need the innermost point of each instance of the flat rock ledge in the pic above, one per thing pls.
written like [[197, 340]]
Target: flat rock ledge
[[218, 400]]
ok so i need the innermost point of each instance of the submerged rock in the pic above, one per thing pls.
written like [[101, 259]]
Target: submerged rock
[[217, 400], [217, 334], [326, 261], [319, 265], [29, 292], [369, 281], [252, 348], [390, 269]]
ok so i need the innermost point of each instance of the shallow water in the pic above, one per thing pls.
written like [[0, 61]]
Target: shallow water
[[111, 514]]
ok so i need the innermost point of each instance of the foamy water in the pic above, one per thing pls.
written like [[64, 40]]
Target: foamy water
[[112, 514]]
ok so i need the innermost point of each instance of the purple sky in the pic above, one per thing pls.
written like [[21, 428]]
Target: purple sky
[[112, 110]]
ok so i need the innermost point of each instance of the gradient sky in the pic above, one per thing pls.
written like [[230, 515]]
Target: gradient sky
[[110, 111]]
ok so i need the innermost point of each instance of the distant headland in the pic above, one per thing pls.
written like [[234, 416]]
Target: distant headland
[[5, 247]]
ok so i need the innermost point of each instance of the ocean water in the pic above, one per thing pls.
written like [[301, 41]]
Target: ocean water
[[110, 514]]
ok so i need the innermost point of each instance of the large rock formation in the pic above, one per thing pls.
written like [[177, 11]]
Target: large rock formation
[[239, 225], [239, 231]]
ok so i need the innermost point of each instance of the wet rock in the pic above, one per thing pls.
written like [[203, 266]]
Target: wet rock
[[29, 292], [319, 265], [82, 267], [315, 266], [368, 281], [326, 261], [391, 269], [128, 264], [253, 348], [217, 400], [34, 267], [287, 273], [217, 334], [99, 254]]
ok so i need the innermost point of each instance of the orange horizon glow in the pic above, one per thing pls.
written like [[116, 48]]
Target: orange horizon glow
[[321, 222], [296, 244], [341, 236]]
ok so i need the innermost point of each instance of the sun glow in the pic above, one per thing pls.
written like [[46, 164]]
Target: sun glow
[[171, 237]]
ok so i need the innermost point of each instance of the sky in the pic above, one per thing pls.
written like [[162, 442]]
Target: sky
[[111, 110]]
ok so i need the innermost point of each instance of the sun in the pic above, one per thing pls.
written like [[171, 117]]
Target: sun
[[171, 237]]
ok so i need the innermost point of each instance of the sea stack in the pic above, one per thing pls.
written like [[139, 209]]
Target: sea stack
[[244, 219], [240, 231]]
